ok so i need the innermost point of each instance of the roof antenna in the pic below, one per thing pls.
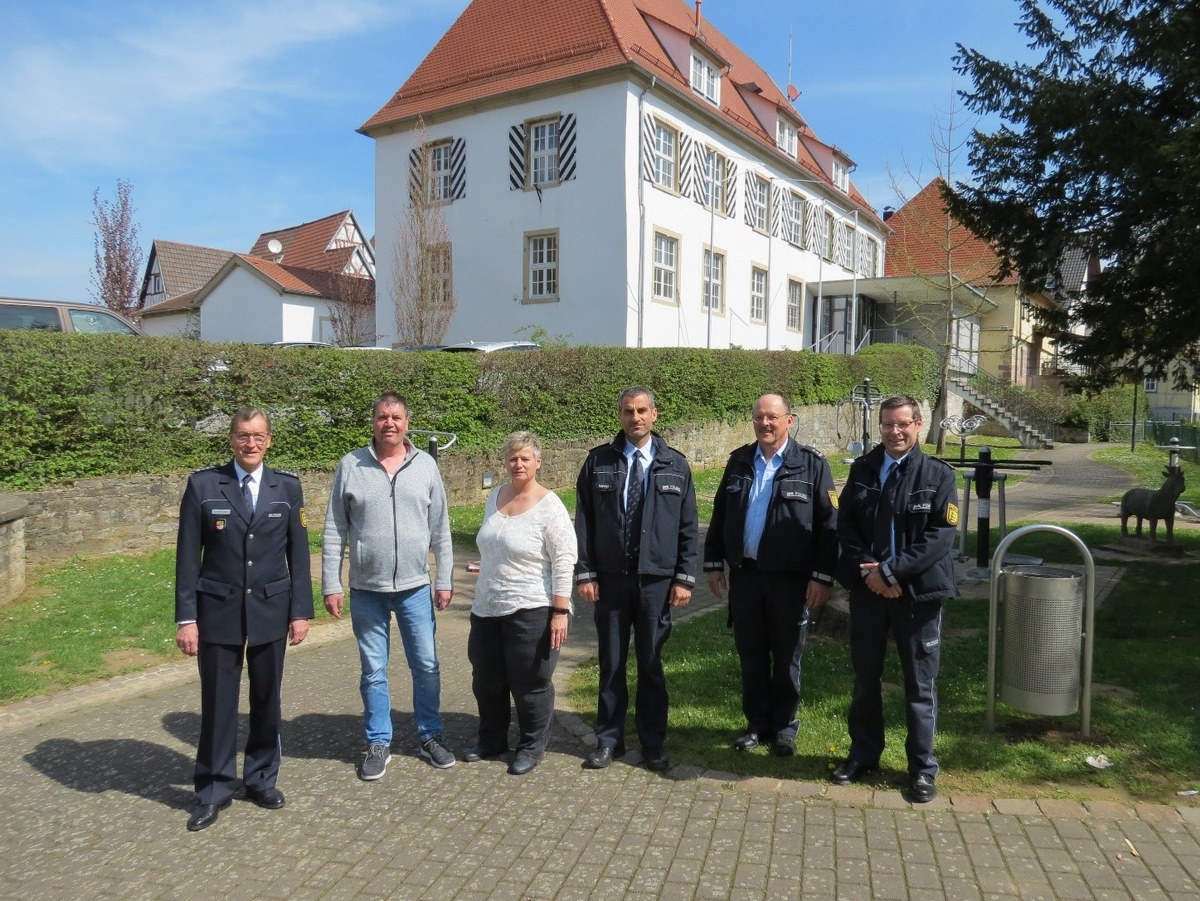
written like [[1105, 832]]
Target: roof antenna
[[792, 91]]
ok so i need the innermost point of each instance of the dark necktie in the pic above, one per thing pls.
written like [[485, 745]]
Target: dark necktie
[[246, 494], [634, 495], [885, 515]]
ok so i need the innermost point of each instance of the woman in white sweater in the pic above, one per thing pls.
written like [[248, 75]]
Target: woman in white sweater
[[522, 607]]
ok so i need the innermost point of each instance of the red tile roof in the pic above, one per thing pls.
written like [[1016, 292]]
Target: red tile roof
[[499, 47], [307, 245], [919, 241]]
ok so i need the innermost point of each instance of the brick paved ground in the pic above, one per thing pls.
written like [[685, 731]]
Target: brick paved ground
[[94, 801]]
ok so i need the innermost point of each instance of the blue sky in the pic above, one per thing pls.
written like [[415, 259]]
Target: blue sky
[[232, 118]]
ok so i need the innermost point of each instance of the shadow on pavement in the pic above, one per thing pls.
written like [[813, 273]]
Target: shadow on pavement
[[125, 765]]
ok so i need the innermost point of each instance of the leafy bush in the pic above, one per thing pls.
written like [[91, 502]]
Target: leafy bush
[[75, 406]]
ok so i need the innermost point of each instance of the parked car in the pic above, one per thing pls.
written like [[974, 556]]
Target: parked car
[[487, 347], [60, 316], [301, 344]]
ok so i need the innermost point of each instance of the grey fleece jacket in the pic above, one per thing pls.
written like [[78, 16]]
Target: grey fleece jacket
[[389, 523]]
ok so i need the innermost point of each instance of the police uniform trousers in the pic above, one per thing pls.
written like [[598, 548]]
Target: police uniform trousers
[[220, 690], [916, 629], [643, 604], [770, 631]]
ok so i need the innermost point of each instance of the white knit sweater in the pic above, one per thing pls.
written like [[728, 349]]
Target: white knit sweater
[[524, 559]]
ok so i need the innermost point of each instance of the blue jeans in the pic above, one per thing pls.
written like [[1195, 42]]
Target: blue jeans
[[371, 615]]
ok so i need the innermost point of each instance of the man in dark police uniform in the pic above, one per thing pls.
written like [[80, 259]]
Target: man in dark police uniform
[[899, 510], [243, 590]]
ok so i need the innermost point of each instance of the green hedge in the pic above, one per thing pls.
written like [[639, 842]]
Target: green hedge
[[74, 406]]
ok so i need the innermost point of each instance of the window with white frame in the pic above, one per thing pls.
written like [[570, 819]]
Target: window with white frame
[[871, 264], [795, 304], [440, 185], [793, 218], [541, 266], [841, 175], [757, 211], [712, 181], [1150, 385], [666, 267], [666, 157], [706, 79], [713, 298], [543, 151], [758, 294], [785, 137]]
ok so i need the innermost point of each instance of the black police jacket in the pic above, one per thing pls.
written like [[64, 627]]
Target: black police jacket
[[926, 519], [670, 534], [800, 534], [242, 577]]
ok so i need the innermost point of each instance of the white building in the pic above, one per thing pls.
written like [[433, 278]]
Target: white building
[[617, 173]]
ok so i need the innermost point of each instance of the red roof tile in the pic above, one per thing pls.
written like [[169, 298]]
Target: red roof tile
[[498, 47], [307, 245], [919, 242]]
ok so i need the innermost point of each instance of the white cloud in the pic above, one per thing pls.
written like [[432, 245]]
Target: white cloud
[[163, 76]]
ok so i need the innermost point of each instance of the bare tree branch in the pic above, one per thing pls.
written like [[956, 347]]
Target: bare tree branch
[[422, 273]]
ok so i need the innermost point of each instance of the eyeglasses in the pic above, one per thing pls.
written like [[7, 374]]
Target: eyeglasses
[[251, 437], [897, 426], [768, 418]]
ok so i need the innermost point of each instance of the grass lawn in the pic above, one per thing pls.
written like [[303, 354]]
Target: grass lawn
[[1145, 707]]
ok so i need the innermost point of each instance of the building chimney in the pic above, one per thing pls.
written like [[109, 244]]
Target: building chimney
[[888, 213]]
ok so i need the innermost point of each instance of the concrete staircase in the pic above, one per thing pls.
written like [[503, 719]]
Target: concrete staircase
[[1029, 435]]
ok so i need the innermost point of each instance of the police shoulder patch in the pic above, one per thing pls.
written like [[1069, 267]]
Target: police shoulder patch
[[304, 517], [952, 514], [833, 498]]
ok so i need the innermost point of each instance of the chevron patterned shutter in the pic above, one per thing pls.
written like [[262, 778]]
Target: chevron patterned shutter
[[516, 157], [649, 130], [458, 169], [414, 177], [566, 147], [777, 195], [688, 183], [731, 180]]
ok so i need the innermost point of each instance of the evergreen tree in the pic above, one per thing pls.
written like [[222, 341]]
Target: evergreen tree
[[1099, 148]]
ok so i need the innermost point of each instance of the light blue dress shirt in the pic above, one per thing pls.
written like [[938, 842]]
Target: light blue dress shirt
[[760, 499], [647, 453]]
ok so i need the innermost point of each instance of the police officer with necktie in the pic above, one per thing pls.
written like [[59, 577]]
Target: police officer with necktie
[[638, 535], [898, 513]]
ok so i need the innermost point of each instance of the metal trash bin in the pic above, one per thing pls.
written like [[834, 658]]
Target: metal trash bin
[[1041, 639], [1047, 614]]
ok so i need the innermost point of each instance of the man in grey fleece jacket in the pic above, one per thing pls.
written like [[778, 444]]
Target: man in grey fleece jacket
[[388, 506]]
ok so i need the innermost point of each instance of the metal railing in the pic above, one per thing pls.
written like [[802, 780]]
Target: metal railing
[[1016, 401], [881, 336]]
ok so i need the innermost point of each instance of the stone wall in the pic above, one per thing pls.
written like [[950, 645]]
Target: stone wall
[[12, 548], [136, 514]]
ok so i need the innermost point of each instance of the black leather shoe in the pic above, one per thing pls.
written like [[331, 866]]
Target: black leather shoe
[[522, 763], [785, 746], [205, 815], [746, 741], [478, 753], [270, 798], [599, 759], [850, 771], [922, 790], [656, 759]]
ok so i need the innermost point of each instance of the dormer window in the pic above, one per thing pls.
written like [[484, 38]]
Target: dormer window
[[841, 175], [785, 137], [706, 79]]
